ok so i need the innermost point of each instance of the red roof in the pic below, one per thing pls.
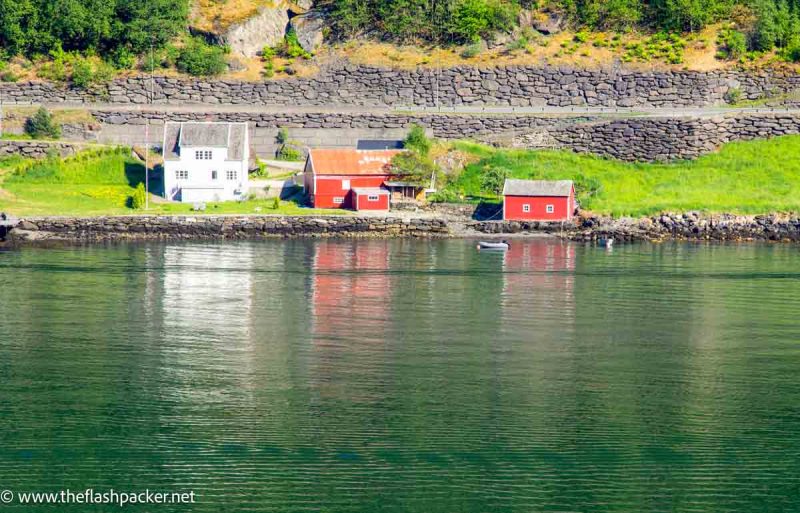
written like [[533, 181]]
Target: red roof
[[351, 162]]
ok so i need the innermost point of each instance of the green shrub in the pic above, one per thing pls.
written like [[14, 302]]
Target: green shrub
[[289, 153], [493, 179], [444, 196], [731, 44], [139, 197], [792, 51], [7, 75], [417, 140], [733, 95], [122, 58], [471, 20], [199, 58], [276, 203], [521, 43], [42, 126], [291, 46], [283, 136], [472, 50], [56, 69], [581, 37]]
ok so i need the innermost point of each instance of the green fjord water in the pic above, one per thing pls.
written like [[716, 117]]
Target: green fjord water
[[350, 376]]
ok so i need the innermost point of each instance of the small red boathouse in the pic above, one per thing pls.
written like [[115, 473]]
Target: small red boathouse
[[538, 200]]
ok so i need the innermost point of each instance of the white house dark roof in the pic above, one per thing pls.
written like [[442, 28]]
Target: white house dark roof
[[514, 187], [204, 135]]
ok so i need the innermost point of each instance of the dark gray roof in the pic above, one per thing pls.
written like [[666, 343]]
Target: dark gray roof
[[204, 135], [379, 144], [537, 187], [172, 131]]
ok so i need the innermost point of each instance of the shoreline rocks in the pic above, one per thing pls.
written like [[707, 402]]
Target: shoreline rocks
[[690, 226]]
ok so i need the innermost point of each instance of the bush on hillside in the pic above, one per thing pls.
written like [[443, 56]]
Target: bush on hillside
[[493, 179], [87, 71], [199, 58], [36, 27], [42, 126], [475, 19], [139, 197], [417, 140], [411, 167]]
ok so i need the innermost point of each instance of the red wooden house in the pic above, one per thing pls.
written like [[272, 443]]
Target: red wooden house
[[538, 200], [348, 178]]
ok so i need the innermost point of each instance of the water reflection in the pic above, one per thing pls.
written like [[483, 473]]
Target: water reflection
[[406, 375]]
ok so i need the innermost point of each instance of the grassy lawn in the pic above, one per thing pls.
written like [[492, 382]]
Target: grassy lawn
[[101, 182], [750, 177]]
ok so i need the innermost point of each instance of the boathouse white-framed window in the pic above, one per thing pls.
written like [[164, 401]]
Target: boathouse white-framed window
[[550, 209], [338, 199], [181, 174], [526, 207], [345, 185], [372, 197]]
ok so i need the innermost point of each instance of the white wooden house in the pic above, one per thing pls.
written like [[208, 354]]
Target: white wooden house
[[205, 161]]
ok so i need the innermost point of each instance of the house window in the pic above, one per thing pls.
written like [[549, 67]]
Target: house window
[[202, 154], [338, 199], [213, 175], [231, 175], [181, 174], [526, 208], [345, 185], [550, 209], [372, 197]]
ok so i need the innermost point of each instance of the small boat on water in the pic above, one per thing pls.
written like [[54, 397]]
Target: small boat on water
[[499, 246]]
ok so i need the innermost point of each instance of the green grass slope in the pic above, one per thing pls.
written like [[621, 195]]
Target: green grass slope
[[750, 177], [102, 182]]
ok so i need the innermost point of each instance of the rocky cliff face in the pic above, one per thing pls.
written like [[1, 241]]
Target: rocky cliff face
[[267, 28]]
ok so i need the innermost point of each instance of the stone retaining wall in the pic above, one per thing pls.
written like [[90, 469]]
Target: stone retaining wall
[[350, 84], [85, 229], [664, 139], [689, 226], [38, 149], [628, 138]]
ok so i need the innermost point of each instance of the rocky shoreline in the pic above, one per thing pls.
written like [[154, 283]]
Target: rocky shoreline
[[688, 226], [691, 226]]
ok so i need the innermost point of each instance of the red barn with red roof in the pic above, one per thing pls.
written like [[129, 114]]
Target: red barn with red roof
[[348, 178], [538, 200]]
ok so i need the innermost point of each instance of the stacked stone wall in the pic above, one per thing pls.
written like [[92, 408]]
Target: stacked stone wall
[[351, 84], [94, 229], [647, 139]]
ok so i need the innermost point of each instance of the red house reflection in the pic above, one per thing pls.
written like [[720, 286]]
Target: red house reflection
[[350, 290], [539, 274]]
